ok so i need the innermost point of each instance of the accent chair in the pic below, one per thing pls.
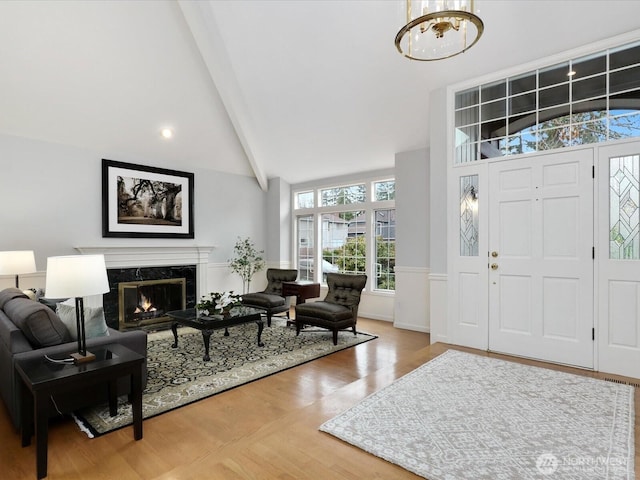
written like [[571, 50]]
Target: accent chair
[[270, 299], [338, 310]]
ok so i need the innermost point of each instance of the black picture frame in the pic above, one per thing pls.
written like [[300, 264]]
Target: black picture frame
[[139, 201]]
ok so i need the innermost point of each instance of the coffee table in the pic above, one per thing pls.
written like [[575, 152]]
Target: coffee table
[[208, 323]]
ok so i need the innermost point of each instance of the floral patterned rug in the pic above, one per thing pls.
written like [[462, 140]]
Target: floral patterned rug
[[463, 416], [177, 377]]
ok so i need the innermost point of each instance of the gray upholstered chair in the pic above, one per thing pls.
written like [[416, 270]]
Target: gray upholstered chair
[[270, 299], [338, 310]]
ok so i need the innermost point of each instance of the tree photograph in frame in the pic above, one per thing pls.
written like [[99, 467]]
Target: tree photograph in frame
[[146, 202]]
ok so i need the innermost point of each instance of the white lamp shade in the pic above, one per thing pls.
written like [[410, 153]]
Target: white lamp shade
[[16, 262], [76, 276]]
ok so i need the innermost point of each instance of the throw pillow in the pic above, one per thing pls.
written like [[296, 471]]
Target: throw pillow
[[94, 322], [52, 303]]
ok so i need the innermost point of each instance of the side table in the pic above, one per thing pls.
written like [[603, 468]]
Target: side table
[[43, 379], [302, 290]]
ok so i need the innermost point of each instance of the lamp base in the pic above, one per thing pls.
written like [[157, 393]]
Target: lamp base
[[79, 358]]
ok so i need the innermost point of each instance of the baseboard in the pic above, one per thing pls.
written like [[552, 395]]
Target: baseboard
[[412, 327]]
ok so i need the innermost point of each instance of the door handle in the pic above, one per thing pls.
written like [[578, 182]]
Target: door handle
[[494, 254], [494, 266]]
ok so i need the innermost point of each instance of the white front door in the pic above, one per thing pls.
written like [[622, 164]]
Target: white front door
[[541, 257], [618, 258]]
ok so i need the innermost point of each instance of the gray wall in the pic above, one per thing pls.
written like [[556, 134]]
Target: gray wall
[[279, 221], [412, 208], [438, 181], [51, 201]]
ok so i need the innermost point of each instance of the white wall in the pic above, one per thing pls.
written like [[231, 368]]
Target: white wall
[[438, 311], [279, 232], [411, 309], [51, 201]]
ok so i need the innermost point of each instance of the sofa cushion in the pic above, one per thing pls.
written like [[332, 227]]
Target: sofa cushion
[[263, 300], [330, 312], [94, 322], [9, 294], [39, 323]]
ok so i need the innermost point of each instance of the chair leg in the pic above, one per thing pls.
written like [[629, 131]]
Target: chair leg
[[354, 329], [335, 337], [268, 319], [298, 327]]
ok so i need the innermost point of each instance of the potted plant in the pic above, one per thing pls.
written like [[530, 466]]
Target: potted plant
[[219, 303], [247, 261]]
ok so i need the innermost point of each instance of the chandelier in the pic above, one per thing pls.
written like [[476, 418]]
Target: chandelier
[[438, 29]]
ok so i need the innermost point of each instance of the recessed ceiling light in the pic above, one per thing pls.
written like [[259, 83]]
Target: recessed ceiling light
[[166, 133]]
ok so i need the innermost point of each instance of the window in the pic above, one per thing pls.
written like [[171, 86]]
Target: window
[[624, 214], [355, 228], [581, 101], [384, 190], [385, 249], [304, 200], [343, 243], [304, 253], [342, 195]]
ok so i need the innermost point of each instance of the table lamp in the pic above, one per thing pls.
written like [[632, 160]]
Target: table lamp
[[77, 276], [17, 262]]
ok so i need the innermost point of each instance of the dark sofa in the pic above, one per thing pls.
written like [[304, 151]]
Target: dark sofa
[[31, 329]]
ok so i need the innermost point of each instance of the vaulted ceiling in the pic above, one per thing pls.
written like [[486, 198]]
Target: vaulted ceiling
[[294, 89]]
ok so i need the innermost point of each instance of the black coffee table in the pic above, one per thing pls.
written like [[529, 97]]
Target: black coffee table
[[208, 323]]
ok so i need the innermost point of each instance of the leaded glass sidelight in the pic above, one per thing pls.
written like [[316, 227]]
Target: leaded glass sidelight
[[469, 216], [624, 200]]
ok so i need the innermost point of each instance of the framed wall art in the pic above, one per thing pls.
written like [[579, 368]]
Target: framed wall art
[[146, 202]]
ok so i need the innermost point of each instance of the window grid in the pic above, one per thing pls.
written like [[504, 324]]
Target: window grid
[[584, 100], [354, 231]]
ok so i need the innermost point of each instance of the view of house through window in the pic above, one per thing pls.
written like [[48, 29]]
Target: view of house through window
[[354, 235]]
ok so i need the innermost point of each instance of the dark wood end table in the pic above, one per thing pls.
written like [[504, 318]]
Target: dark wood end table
[[208, 323], [302, 290], [42, 379]]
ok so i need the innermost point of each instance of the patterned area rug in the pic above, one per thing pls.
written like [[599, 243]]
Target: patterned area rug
[[177, 377], [464, 416]]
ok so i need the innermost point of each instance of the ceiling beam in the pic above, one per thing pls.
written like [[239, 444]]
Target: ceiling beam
[[201, 21]]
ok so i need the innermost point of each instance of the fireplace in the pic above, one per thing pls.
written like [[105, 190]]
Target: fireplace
[[167, 288], [146, 302]]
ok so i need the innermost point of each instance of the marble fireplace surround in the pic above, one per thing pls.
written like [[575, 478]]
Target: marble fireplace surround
[[148, 258]]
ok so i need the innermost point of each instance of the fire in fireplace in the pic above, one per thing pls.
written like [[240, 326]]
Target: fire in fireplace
[[146, 302]]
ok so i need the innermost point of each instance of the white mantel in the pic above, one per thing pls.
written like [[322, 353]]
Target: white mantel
[[159, 256]]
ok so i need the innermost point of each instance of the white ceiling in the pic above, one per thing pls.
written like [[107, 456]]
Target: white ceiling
[[294, 89]]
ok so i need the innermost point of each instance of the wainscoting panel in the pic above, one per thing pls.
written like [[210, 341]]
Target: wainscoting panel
[[411, 309]]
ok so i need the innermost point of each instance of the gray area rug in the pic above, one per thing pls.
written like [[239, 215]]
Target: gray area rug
[[464, 416], [177, 377]]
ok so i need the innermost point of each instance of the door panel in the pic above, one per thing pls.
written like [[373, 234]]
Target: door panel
[[541, 279], [515, 304], [560, 307]]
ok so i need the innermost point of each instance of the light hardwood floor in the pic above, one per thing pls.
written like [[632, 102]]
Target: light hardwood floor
[[267, 429]]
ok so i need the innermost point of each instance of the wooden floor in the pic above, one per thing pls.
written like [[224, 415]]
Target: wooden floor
[[267, 429]]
